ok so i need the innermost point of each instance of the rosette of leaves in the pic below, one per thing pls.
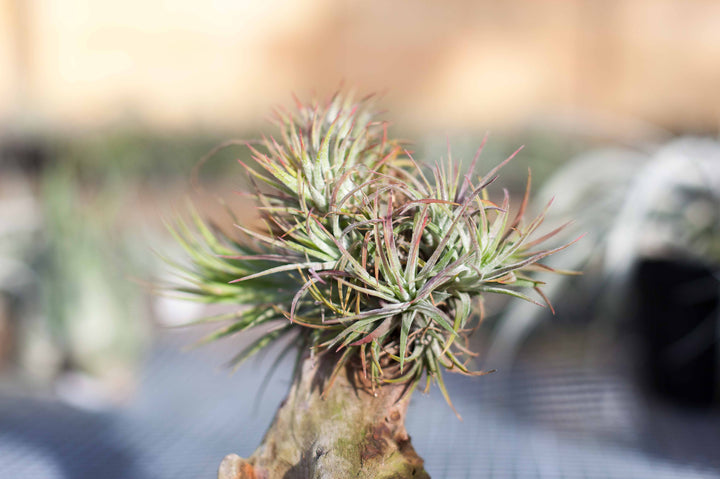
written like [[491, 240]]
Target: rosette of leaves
[[365, 252]]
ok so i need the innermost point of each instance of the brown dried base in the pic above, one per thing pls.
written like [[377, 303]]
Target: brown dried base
[[349, 433]]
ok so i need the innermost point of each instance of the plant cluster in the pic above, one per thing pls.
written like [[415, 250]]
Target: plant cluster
[[365, 252]]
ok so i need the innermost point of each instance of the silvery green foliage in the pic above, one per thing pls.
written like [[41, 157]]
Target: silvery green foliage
[[365, 252]]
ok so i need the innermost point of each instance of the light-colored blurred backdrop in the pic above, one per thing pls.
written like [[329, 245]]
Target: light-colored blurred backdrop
[[79, 64]]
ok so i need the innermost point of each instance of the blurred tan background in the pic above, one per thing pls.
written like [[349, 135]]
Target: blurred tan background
[[68, 65]]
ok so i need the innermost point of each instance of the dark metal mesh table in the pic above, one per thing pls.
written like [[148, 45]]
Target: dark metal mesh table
[[538, 421]]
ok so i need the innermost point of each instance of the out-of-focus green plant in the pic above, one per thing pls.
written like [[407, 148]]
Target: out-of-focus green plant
[[364, 251], [633, 205], [95, 314]]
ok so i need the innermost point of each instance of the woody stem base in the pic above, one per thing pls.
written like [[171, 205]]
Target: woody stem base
[[350, 431]]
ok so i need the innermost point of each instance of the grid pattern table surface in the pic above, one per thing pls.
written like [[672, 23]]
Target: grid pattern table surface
[[537, 421]]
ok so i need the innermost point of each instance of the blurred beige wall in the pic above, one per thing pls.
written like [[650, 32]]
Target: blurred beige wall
[[77, 64]]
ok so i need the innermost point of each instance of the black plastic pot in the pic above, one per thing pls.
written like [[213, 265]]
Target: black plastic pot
[[677, 319]]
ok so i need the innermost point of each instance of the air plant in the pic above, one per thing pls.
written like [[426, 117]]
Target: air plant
[[365, 253]]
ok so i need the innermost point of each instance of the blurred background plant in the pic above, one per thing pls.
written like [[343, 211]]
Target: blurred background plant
[[651, 262], [75, 253]]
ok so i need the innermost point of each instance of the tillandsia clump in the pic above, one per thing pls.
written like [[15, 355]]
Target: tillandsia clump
[[376, 266]]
